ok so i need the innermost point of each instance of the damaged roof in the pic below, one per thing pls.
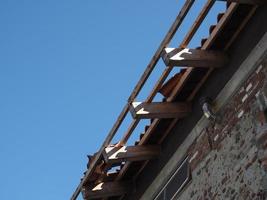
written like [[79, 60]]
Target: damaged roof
[[181, 87]]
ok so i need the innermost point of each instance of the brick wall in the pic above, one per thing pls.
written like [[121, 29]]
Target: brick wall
[[229, 158]]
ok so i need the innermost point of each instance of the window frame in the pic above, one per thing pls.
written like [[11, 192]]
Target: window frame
[[173, 174]]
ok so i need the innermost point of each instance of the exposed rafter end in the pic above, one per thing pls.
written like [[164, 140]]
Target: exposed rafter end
[[114, 155], [107, 189], [253, 2], [159, 110], [193, 57]]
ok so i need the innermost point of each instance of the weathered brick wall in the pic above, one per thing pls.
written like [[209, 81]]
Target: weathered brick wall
[[229, 159]]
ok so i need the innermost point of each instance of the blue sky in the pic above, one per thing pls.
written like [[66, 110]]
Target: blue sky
[[66, 70]]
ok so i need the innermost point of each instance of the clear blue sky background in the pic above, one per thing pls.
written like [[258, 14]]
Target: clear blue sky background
[[66, 70]]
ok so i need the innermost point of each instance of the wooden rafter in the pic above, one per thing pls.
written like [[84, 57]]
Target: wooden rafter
[[193, 57], [130, 153], [159, 110], [106, 189]]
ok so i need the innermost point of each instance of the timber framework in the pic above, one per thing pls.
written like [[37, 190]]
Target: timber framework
[[179, 91]]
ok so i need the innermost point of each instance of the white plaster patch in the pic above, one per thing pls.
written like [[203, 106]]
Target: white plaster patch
[[254, 88], [244, 98], [179, 56], [98, 187], [249, 87], [257, 94], [259, 69], [216, 137], [252, 153], [142, 111], [135, 104], [225, 128], [168, 50], [193, 157], [237, 167], [240, 114], [241, 90]]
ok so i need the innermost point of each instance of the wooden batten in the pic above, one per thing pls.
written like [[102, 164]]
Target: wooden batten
[[159, 110], [107, 189], [254, 2], [181, 57], [168, 87], [131, 153]]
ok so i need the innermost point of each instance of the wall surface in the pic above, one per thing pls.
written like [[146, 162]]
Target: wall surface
[[228, 159]]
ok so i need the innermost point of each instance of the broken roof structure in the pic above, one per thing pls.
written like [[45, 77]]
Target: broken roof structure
[[179, 109]]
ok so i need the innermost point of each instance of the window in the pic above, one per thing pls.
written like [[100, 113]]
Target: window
[[176, 183]]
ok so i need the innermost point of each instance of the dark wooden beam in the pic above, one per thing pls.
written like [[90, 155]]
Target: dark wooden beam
[[254, 2], [159, 110], [107, 189], [130, 153], [193, 57]]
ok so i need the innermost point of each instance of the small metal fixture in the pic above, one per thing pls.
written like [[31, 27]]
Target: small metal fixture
[[207, 109], [262, 102]]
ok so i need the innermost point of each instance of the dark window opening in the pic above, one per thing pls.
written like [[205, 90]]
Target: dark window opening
[[176, 183]]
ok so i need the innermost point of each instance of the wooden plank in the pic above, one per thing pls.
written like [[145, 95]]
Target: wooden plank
[[129, 131], [159, 110], [220, 25], [193, 57], [201, 16], [142, 142], [130, 153], [169, 85], [107, 189], [253, 2]]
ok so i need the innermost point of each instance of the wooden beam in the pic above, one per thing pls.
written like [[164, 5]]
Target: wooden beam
[[159, 110], [170, 84], [202, 15], [253, 2], [193, 57], [106, 189], [130, 153]]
